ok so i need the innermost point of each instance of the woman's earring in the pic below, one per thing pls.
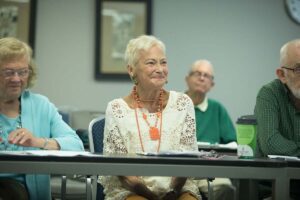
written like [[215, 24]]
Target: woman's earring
[[166, 82], [133, 79]]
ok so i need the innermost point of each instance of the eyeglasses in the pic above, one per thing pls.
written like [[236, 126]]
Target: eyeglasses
[[295, 68], [201, 74], [9, 73]]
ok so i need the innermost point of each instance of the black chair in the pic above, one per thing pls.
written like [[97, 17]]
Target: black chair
[[12, 189], [96, 130]]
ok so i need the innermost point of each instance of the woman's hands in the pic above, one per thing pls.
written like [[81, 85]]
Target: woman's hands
[[24, 137], [176, 185], [171, 195], [134, 184]]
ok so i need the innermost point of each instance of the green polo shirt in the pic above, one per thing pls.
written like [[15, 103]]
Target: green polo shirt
[[213, 124], [278, 121]]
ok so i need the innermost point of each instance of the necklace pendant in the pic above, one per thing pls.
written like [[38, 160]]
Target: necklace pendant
[[154, 133]]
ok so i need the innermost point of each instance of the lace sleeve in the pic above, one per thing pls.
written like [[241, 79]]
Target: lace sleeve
[[188, 139], [113, 141]]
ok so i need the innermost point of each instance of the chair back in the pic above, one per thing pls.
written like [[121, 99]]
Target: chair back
[[96, 130], [65, 116]]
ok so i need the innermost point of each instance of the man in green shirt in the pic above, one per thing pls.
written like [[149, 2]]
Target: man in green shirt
[[277, 109], [213, 124]]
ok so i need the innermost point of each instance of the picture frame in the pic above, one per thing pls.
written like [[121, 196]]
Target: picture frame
[[18, 19], [118, 21]]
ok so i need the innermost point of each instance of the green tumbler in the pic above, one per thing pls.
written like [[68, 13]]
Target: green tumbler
[[246, 136]]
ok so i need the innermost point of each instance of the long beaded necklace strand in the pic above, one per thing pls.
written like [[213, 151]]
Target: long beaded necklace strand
[[153, 130], [155, 134]]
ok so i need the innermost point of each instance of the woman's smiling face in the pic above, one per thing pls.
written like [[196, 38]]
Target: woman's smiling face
[[151, 69]]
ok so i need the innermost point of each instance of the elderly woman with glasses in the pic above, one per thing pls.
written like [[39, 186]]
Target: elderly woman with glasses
[[28, 121], [149, 119]]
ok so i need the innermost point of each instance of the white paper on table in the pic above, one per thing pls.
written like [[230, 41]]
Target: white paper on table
[[203, 143], [284, 157], [177, 153], [49, 153], [230, 145]]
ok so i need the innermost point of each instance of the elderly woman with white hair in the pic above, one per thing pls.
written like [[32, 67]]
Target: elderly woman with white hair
[[149, 119]]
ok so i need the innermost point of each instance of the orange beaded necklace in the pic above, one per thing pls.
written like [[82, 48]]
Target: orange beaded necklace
[[154, 133]]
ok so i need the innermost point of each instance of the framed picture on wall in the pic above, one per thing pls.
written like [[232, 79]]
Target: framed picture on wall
[[118, 21], [17, 19]]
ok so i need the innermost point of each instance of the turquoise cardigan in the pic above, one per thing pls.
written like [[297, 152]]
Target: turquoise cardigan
[[41, 117]]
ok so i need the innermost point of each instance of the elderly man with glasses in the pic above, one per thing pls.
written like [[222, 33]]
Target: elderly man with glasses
[[277, 110], [213, 124]]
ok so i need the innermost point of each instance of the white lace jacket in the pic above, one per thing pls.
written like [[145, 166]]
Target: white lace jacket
[[121, 136]]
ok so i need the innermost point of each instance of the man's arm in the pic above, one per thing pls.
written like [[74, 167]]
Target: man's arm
[[271, 137], [228, 133]]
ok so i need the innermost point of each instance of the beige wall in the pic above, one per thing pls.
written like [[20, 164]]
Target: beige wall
[[242, 39]]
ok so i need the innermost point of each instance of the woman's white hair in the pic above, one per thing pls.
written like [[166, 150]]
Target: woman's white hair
[[136, 45], [200, 62]]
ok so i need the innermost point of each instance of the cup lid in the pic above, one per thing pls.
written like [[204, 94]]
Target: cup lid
[[247, 119]]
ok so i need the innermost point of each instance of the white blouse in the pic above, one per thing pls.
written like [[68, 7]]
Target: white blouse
[[121, 136]]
